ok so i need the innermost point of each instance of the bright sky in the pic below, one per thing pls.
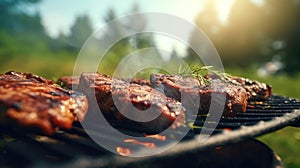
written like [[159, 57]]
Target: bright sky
[[58, 16]]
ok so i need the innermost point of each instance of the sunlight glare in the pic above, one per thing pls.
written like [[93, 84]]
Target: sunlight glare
[[223, 7]]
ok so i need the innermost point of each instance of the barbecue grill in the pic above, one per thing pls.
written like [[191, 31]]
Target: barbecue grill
[[74, 148]]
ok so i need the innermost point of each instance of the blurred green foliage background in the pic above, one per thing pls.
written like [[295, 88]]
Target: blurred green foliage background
[[258, 41]]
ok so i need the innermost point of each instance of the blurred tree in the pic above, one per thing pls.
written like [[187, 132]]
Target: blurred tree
[[110, 15], [114, 28], [208, 22], [59, 43], [19, 27], [11, 8], [80, 31], [242, 36], [122, 34], [138, 23], [254, 34], [113, 35], [281, 25]]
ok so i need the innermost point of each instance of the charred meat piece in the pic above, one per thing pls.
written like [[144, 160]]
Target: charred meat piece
[[130, 103], [29, 102], [69, 82], [140, 82], [72, 82], [145, 103], [201, 98], [97, 87], [13, 76], [256, 91]]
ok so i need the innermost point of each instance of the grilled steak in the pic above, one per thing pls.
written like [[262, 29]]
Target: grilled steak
[[69, 82], [72, 82], [119, 99], [195, 96], [31, 102], [256, 91], [140, 81]]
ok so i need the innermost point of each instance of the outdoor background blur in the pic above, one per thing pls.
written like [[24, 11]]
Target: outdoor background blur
[[258, 39]]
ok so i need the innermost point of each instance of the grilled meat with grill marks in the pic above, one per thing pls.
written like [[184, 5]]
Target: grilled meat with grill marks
[[30, 102], [72, 82], [118, 99], [140, 82], [195, 96], [69, 82], [256, 91]]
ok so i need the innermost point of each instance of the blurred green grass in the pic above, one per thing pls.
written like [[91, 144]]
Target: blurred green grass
[[285, 142], [49, 66]]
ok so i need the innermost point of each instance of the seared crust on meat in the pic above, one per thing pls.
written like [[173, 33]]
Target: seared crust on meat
[[256, 91], [69, 82], [117, 98], [99, 86], [194, 96], [145, 98], [141, 81], [13, 76], [31, 102], [235, 98]]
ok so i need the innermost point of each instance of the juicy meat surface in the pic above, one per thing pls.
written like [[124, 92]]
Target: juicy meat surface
[[140, 82], [69, 82], [31, 102], [198, 97], [256, 91], [72, 82], [118, 99]]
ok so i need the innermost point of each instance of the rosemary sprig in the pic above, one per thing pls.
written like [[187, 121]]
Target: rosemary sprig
[[222, 75], [183, 70], [199, 72]]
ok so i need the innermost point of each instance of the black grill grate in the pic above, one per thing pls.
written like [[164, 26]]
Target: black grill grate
[[275, 106], [75, 148]]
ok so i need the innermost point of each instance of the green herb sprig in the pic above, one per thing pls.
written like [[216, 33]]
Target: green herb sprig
[[199, 72]]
